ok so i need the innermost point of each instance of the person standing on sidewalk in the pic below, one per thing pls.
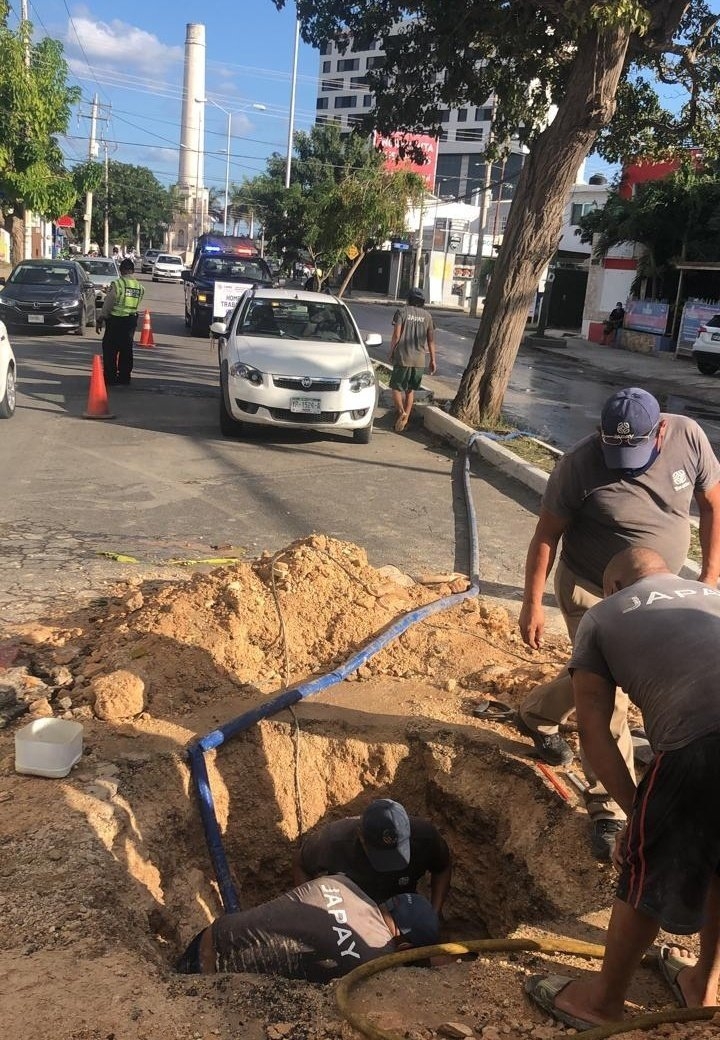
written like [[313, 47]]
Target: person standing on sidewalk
[[630, 484], [120, 317], [413, 336]]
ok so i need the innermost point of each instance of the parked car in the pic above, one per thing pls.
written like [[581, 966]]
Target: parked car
[[168, 266], [51, 294], [706, 348], [148, 259], [292, 358], [102, 272], [8, 376]]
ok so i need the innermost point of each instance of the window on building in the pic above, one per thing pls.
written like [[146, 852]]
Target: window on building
[[326, 47], [462, 115], [367, 100], [326, 66], [332, 84], [487, 115], [503, 223], [443, 134], [322, 102], [375, 63], [444, 115], [364, 43], [467, 135], [579, 209], [346, 101], [358, 81], [348, 64]]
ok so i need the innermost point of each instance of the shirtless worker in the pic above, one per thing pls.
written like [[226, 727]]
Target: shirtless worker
[[317, 931], [656, 635]]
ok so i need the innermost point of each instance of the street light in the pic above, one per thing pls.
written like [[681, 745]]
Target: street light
[[209, 101]]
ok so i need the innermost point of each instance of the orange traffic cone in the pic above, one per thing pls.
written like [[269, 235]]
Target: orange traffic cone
[[146, 336], [97, 405]]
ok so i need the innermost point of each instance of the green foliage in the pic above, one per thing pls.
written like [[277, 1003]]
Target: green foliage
[[676, 218], [136, 196], [339, 196], [35, 104], [453, 52]]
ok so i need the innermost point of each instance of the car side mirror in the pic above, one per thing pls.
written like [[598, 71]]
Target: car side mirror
[[219, 328], [2, 281], [373, 339], [185, 275]]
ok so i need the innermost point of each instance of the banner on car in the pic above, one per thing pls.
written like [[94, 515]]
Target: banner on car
[[226, 296]]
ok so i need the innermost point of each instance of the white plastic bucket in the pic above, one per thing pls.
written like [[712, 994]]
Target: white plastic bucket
[[48, 747]]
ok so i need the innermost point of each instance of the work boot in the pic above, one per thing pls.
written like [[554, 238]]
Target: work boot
[[550, 747], [603, 836]]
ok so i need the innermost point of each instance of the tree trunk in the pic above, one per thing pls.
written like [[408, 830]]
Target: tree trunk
[[351, 271], [15, 227], [535, 221]]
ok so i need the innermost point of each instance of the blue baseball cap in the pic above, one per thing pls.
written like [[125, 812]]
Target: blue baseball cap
[[385, 828], [628, 428], [416, 920]]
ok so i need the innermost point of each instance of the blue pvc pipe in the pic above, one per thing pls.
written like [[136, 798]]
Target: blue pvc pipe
[[217, 737]]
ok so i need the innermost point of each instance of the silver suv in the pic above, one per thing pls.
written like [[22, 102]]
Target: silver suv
[[148, 261]]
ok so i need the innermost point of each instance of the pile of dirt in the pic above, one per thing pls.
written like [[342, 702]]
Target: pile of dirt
[[106, 876]]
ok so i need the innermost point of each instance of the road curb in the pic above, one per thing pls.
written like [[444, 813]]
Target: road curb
[[458, 433]]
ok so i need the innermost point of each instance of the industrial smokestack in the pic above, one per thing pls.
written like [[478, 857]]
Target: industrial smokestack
[[191, 166]]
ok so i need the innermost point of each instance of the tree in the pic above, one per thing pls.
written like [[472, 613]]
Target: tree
[[340, 196], [676, 218], [136, 196], [593, 63], [35, 103]]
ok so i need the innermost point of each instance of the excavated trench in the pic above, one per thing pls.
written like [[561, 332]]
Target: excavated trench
[[489, 806]]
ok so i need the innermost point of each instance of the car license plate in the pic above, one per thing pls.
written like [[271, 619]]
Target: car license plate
[[306, 405], [36, 319]]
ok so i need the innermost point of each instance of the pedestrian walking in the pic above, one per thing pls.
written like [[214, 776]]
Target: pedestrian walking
[[413, 337], [384, 851], [119, 317], [656, 635], [632, 483], [318, 931]]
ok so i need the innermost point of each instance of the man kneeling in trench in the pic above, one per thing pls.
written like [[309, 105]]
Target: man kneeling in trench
[[317, 931]]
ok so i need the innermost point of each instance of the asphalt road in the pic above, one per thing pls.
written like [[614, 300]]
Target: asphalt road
[[159, 482]]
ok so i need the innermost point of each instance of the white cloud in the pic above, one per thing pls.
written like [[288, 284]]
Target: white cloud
[[116, 44]]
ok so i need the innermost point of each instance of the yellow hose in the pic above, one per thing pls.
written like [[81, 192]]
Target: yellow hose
[[347, 984]]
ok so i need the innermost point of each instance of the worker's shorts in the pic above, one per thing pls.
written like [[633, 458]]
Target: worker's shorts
[[673, 838], [404, 378]]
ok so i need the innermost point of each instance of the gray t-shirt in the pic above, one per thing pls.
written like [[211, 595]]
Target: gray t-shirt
[[659, 641], [609, 512], [412, 346], [317, 931]]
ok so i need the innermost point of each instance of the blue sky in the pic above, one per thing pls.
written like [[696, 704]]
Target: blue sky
[[131, 55]]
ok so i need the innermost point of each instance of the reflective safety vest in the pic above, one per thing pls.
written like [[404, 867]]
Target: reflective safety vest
[[128, 294]]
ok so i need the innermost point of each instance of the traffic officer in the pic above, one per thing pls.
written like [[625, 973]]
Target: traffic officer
[[119, 317]]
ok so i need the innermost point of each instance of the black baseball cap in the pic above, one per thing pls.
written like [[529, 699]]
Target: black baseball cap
[[416, 920], [416, 296], [385, 829]]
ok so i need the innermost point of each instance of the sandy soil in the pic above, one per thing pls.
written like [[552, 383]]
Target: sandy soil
[[105, 873]]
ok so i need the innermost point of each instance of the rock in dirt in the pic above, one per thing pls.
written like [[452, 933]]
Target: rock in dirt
[[279, 1030], [396, 575], [119, 695], [456, 1030], [41, 706]]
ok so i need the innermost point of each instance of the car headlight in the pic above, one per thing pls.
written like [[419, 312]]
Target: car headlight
[[74, 301], [6, 303], [242, 371], [361, 381]]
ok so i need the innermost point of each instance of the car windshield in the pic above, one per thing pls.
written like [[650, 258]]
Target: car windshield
[[232, 267], [43, 274], [169, 260], [99, 267], [298, 319]]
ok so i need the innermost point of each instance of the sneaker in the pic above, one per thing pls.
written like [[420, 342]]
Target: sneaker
[[550, 747], [602, 840], [401, 422]]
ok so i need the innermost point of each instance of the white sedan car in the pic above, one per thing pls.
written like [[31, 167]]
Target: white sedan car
[[8, 372], [168, 266], [290, 358], [706, 348]]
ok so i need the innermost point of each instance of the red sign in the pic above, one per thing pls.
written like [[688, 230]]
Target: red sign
[[66, 222], [393, 144]]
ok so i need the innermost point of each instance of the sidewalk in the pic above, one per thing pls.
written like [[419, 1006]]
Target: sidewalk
[[663, 371]]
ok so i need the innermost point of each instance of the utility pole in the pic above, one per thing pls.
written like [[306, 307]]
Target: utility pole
[[293, 88], [92, 155], [484, 203], [419, 244]]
